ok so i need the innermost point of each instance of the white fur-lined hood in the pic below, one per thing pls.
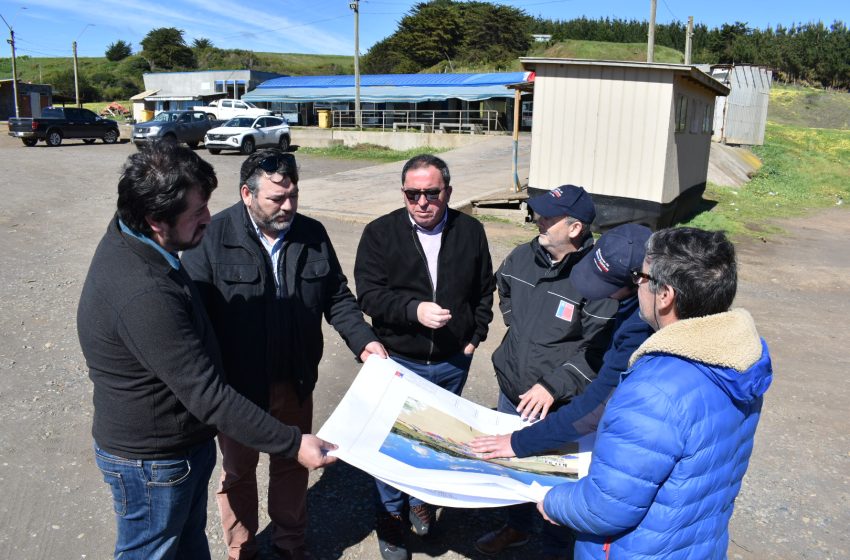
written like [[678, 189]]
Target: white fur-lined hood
[[728, 340]]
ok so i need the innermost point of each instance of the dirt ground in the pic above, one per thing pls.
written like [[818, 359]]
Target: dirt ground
[[795, 502]]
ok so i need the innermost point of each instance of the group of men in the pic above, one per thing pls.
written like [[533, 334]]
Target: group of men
[[195, 327]]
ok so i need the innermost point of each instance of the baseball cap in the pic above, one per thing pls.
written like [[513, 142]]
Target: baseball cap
[[566, 200], [607, 267]]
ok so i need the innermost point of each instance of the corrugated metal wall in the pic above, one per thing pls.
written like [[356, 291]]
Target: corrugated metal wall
[[603, 127], [740, 118]]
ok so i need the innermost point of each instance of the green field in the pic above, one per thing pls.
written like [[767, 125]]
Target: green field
[[806, 157]]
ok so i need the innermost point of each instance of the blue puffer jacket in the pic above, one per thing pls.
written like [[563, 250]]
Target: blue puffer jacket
[[672, 446]]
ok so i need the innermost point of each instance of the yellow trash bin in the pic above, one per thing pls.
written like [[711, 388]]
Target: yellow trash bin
[[147, 116], [324, 118]]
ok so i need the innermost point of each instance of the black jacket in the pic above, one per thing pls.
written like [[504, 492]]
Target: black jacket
[[154, 361], [555, 337], [391, 273], [268, 334]]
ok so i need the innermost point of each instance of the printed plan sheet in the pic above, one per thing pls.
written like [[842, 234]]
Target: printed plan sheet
[[414, 435]]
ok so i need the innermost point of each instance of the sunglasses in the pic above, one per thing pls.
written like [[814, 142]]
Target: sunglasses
[[639, 277], [430, 194], [273, 163]]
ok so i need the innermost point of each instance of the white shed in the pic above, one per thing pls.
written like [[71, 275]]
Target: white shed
[[635, 135]]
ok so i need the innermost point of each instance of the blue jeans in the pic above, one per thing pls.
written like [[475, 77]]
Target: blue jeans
[[160, 505], [557, 541], [450, 375]]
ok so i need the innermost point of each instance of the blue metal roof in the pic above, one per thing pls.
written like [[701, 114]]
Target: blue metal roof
[[379, 88]]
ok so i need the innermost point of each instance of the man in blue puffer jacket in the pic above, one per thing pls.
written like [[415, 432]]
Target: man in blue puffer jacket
[[676, 437]]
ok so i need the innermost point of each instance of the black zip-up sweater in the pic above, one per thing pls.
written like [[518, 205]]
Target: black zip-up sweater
[[154, 361], [392, 279]]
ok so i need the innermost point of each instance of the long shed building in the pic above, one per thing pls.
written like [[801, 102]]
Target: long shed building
[[635, 135]]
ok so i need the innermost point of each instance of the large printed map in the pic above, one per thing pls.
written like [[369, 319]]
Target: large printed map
[[414, 435]]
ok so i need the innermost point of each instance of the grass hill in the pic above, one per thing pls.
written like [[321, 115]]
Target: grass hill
[[809, 107]]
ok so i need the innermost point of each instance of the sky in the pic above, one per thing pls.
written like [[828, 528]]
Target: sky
[[47, 28]]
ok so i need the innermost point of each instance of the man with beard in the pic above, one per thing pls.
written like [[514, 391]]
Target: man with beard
[[159, 395], [267, 275]]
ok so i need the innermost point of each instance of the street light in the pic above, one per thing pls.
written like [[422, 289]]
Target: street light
[[11, 41], [74, 46]]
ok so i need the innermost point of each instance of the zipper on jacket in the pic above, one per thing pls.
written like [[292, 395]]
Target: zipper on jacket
[[431, 282], [606, 548]]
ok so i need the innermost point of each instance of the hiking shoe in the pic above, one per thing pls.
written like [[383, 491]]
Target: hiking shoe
[[495, 542], [391, 536], [421, 518]]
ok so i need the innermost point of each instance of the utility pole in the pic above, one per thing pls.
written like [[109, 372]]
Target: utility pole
[[74, 47], [11, 41], [688, 40], [76, 81], [358, 117], [650, 46]]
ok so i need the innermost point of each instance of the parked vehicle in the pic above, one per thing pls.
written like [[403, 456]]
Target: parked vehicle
[[247, 134], [225, 109], [58, 123], [188, 127]]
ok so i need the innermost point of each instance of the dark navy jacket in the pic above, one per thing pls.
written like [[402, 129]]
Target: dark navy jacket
[[581, 416]]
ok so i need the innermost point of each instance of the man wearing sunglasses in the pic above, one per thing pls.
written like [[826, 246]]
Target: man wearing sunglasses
[[676, 437], [556, 338], [425, 277], [267, 276]]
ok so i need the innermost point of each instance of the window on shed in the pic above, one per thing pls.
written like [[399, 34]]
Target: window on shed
[[707, 118], [696, 116], [681, 113]]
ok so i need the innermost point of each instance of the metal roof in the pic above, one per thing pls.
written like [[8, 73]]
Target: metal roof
[[686, 70], [378, 88]]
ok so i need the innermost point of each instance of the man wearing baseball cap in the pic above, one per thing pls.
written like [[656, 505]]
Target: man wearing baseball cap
[[605, 272], [556, 338]]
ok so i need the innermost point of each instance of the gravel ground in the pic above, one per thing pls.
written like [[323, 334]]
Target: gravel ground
[[56, 204]]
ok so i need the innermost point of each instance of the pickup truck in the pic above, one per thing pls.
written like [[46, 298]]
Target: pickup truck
[[57, 123], [226, 109], [179, 126]]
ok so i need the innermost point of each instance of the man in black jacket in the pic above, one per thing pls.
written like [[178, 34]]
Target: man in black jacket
[[159, 394], [267, 275], [556, 339], [424, 276]]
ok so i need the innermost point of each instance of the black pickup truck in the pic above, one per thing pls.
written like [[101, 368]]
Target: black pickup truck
[[57, 123]]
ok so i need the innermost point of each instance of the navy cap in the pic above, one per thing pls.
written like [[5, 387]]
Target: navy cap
[[607, 267], [566, 200]]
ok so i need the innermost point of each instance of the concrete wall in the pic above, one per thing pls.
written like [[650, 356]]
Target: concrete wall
[[310, 137]]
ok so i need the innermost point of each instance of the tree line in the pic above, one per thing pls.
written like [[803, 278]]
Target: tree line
[[812, 53], [443, 34]]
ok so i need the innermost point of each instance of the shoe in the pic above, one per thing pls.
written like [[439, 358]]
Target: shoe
[[421, 518], [495, 542], [391, 537], [297, 553]]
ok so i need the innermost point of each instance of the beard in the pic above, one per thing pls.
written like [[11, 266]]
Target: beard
[[269, 222]]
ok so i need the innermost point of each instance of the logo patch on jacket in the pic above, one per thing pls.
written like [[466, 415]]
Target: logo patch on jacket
[[565, 311]]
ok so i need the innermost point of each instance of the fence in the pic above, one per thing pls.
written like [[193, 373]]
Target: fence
[[478, 121]]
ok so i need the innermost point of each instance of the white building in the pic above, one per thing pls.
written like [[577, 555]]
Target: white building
[[635, 135]]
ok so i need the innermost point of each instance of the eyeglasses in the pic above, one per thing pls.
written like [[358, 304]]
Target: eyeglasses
[[639, 277], [430, 194]]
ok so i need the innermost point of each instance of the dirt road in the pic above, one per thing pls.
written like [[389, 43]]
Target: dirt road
[[56, 204]]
